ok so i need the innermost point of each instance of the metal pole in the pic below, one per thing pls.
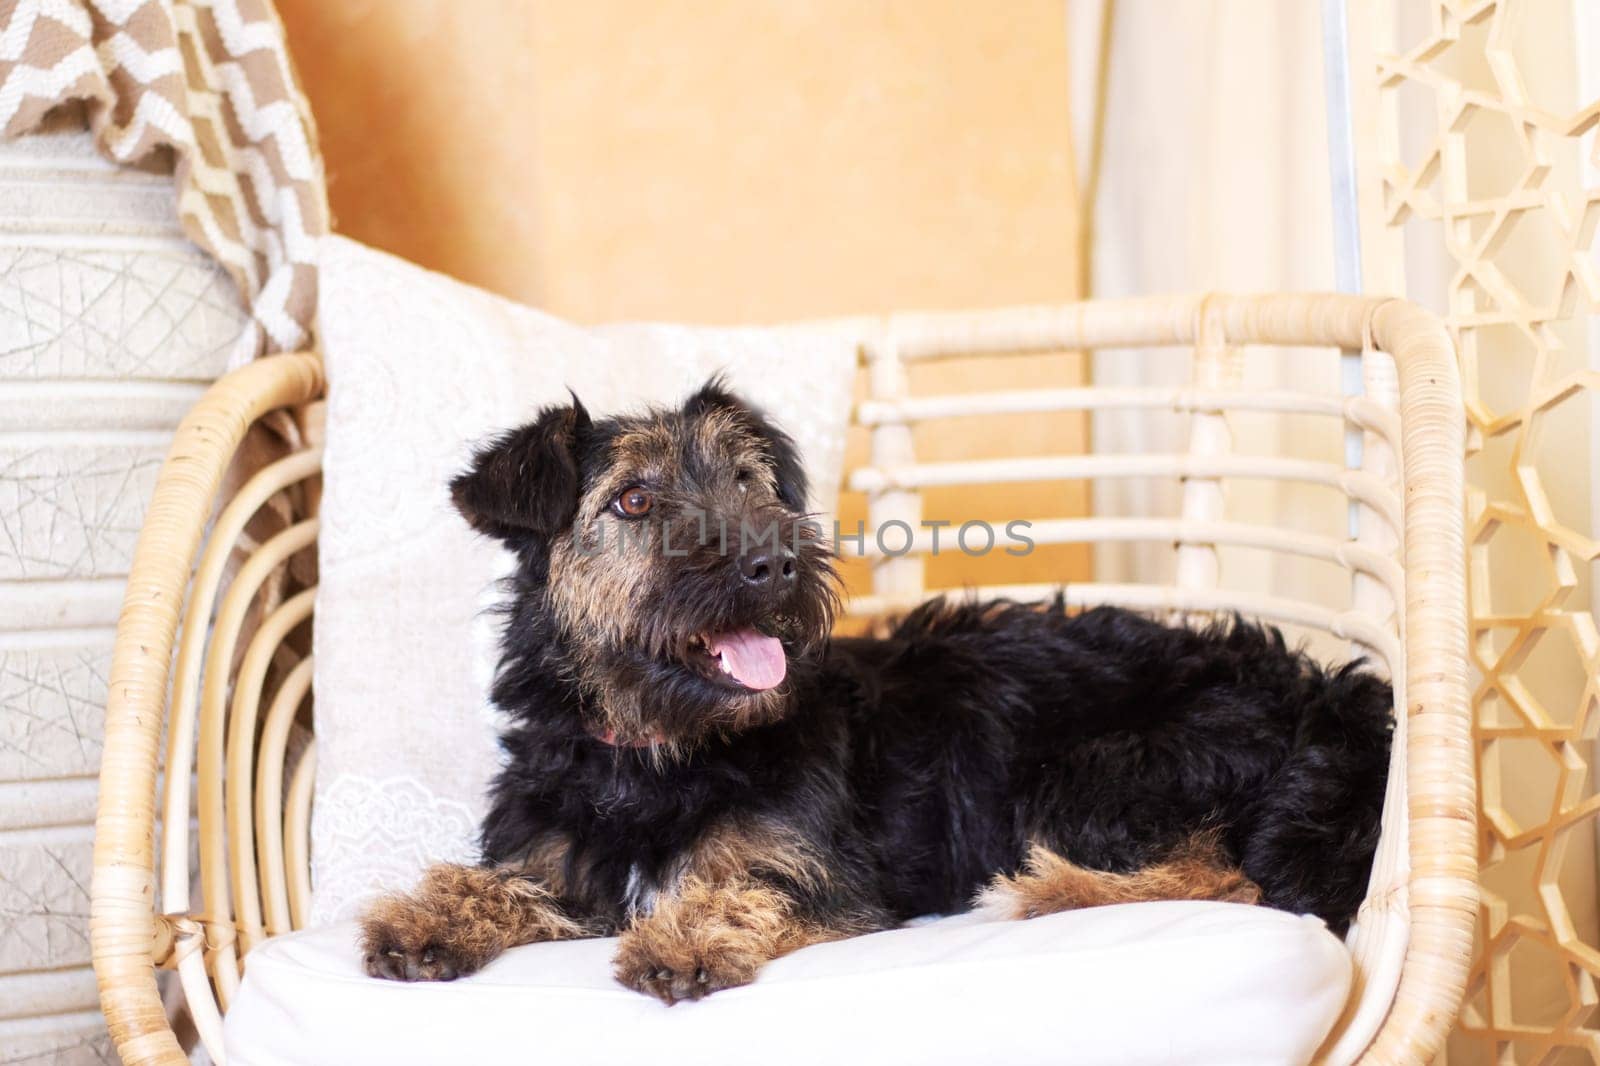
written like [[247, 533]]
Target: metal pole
[[1342, 185]]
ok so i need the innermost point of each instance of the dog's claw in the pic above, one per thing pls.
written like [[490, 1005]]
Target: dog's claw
[[411, 951], [672, 982], [395, 965]]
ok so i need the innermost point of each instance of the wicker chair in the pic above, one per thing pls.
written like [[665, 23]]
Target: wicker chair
[[1413, 937]]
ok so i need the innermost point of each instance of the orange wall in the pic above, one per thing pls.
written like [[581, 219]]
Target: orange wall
[[719, 162]]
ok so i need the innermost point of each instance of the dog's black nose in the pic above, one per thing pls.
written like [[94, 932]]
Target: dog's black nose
[[767, 568]]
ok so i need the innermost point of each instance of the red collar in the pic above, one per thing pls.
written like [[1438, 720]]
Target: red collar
[[609, 736]]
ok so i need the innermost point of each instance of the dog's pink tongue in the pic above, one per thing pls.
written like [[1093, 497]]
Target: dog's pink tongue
[[754, 659]]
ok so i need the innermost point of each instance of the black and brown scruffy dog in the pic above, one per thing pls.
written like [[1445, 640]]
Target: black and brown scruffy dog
[[695, 765]]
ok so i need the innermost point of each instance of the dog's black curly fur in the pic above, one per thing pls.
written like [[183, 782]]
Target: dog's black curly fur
[[884, 778]]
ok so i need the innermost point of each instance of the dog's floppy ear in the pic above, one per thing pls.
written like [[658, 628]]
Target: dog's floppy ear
[[786, 465], [525, 481]]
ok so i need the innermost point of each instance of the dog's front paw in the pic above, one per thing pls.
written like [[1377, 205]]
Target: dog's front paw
[[673, 968], [403, 939]]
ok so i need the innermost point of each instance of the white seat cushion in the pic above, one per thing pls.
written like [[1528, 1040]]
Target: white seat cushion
[[1189, 983]]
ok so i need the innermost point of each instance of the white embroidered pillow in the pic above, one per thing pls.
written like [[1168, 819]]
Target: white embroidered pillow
[[420, 368]]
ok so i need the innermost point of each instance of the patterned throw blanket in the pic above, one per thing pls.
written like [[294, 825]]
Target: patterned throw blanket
[[210, 81]]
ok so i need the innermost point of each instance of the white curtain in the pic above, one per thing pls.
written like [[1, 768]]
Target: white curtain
[[1213, 176]]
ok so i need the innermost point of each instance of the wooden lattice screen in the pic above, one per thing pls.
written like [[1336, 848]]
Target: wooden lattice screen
[[1481, 173]]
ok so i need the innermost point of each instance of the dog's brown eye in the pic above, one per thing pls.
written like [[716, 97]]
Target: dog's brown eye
[[634, 502]]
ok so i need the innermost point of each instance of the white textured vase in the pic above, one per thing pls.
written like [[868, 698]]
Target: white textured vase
[[111, 324]]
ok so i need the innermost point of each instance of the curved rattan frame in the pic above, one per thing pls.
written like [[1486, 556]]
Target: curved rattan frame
[[253, 855]]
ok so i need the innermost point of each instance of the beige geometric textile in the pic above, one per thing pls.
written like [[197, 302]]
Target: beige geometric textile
[[1483, 189], [211, 82]]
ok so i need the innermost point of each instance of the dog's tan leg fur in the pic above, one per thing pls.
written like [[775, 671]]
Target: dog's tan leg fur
[[1049, 883], [458, 919], [706, 937], [726, 919]]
